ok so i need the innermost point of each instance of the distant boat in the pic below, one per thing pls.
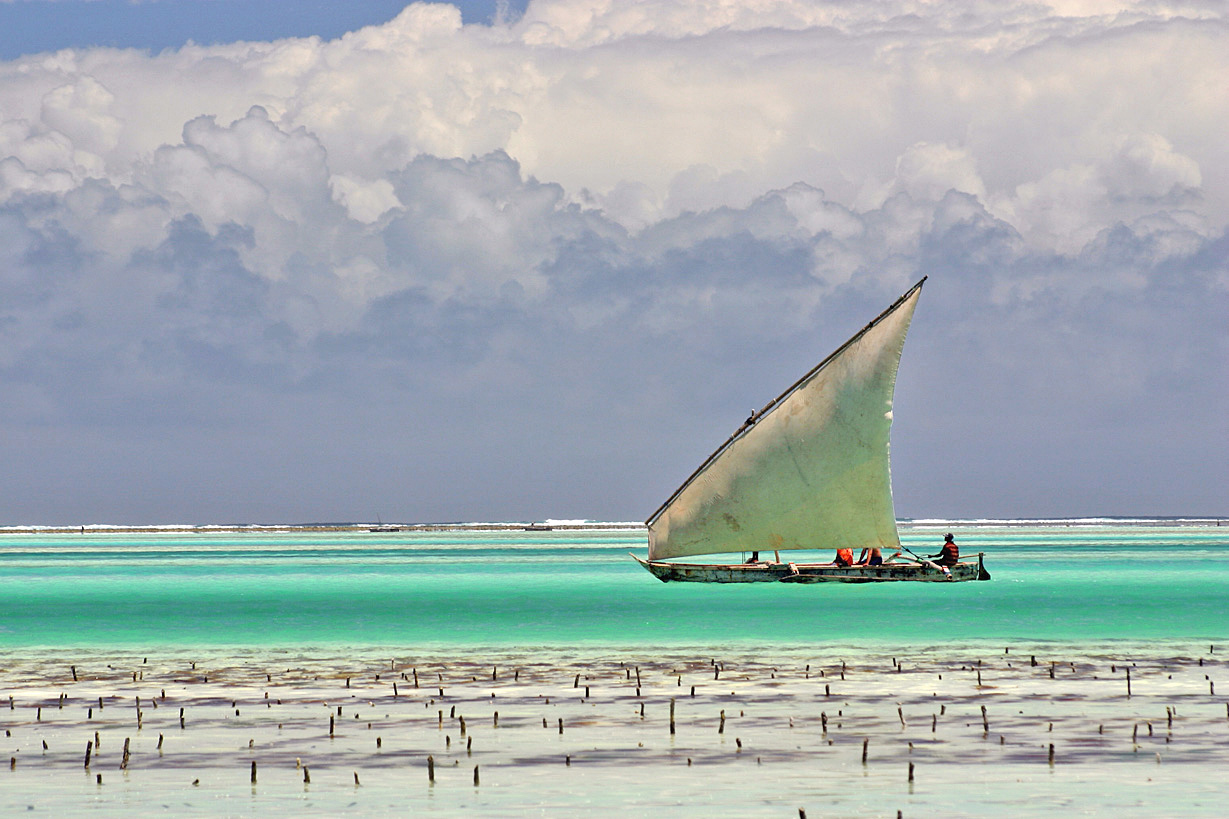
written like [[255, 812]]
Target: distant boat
[[380, 527], [539, 527], [810, 470]]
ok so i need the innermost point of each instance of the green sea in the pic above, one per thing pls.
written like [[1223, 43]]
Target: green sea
[[502, 672], [1077, 582]]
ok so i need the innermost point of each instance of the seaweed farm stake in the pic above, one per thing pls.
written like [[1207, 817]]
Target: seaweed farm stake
[[672, 715], [865, 743], [430, 769], [89, 746]]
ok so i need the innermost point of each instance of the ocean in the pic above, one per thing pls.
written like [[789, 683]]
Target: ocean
[[504, 672], [1068, 581]]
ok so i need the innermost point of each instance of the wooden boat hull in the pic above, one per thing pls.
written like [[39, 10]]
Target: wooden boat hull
[[668, 572]]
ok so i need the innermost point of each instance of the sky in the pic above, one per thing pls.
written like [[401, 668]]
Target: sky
[[298, 262]]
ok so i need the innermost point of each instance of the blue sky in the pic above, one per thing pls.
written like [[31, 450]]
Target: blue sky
[[463, 266], [31, 26]]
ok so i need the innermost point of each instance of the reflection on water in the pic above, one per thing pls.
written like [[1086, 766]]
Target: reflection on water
[[568, 731]]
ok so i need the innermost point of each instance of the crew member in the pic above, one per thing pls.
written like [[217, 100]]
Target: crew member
[[844, 557], [949, 555]]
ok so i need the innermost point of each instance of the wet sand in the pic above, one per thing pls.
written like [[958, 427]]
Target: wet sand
[[554, 731]]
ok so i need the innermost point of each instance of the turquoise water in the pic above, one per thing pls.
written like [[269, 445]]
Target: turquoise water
[[1075, 584]]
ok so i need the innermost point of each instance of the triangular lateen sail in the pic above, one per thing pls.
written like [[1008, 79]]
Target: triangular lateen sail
[[812, 471]]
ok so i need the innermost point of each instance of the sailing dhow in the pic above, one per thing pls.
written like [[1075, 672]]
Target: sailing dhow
[[810, 470]]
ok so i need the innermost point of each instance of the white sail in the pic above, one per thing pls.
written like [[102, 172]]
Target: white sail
[[812, 471]]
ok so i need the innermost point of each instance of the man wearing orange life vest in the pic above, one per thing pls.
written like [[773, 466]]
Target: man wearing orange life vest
[[844, 557], [949, 555]]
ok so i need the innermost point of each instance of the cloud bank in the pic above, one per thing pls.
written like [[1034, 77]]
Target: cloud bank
[[436, 271]]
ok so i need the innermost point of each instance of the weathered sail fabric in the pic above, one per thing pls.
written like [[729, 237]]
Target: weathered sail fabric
[[812, 472]]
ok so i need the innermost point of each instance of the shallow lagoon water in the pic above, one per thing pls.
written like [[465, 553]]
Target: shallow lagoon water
[[557, 732], [318, 620], [565, 587]]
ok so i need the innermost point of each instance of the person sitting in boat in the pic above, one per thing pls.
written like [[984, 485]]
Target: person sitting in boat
[[949, 555], [755, 557], [844, 557], [871, 556]]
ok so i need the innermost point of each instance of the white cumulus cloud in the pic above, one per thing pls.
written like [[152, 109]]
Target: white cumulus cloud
[[582, 241]]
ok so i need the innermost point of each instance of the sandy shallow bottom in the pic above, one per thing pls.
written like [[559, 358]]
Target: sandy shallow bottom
[[795, 726]]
